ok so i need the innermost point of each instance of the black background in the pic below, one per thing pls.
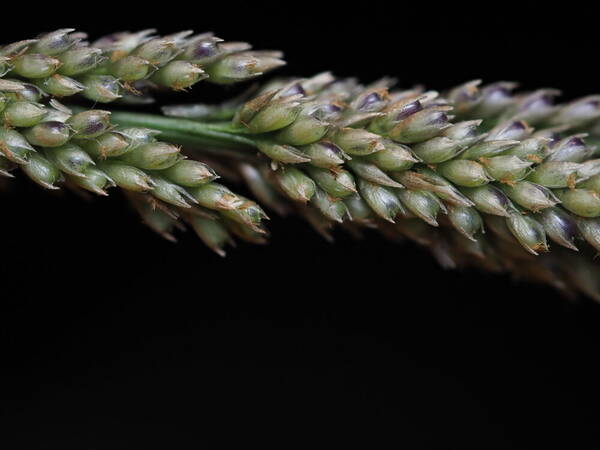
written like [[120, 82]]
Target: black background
[[114, 338]]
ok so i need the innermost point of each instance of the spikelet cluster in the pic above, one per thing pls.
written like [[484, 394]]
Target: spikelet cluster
[[478, 175], [54, 146], [482, 176]]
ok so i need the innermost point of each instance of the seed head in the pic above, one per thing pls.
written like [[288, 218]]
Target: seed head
[[357, 142], [488, 149], [332, 208], [285, 154], [382, 200], [325, 154], [556, 174], [14, 147], [90, 124], [60, 85], [190, 173], [489, 199], [248, 214], [582, 202], [295, 184], [35, 65], [42, 171], [153, 156], [23, 114], [506, 168], [54, 43], [371, 172], [79, 60], [305, 130], [48, 134], [178, 75], [337, 183], [243, 66], [422, 125], [466, 221], [216, 196], [464, 172], [394, 157], [171, 193], [572, 149], [560, 226], [70, 159], [423, 204], [528, 231], [108, 145], [95, 181], [126, 176], [101, 88]]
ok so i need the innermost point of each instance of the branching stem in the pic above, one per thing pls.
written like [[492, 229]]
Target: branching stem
[[185, 131]]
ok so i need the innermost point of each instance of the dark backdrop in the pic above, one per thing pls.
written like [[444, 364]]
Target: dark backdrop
[[113, 338]]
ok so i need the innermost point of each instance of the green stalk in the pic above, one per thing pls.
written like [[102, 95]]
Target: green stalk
[[206, 145], [184, 131]]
